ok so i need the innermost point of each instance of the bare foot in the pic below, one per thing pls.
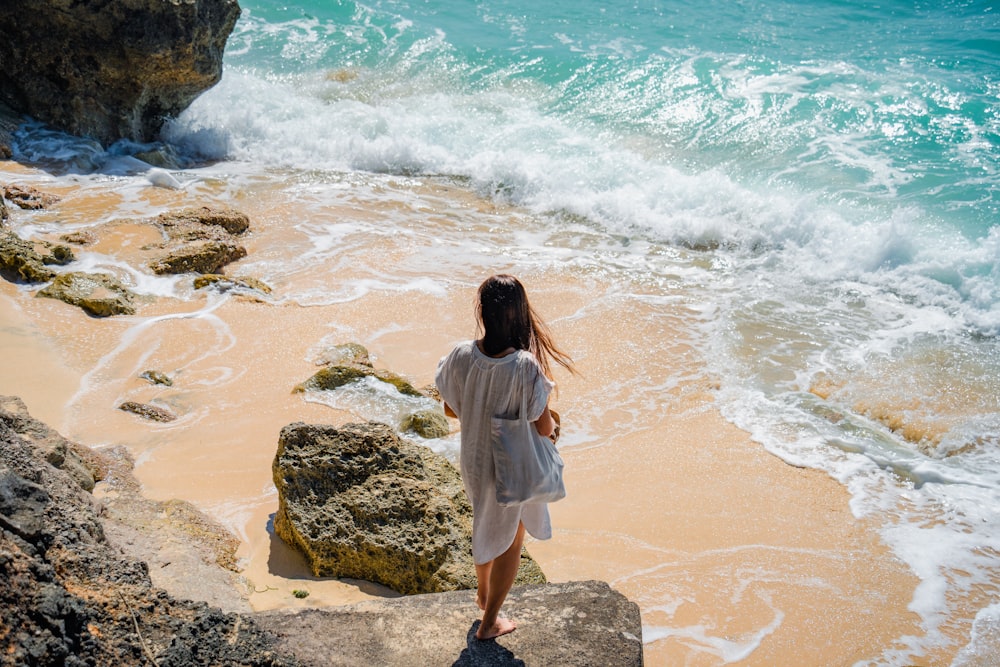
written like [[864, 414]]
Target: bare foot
[[503, 626]]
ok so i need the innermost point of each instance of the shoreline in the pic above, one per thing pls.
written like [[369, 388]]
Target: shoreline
[[760, 559]]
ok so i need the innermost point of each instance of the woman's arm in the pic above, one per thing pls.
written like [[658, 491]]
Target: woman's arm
[[545, 424]]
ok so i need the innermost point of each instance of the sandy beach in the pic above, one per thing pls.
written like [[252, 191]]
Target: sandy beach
[[720, 543]]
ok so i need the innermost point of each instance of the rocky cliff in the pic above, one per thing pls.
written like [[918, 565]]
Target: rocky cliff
[[111, 69], [73, 595]]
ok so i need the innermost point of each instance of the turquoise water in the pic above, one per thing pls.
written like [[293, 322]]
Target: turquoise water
[[835, 164]]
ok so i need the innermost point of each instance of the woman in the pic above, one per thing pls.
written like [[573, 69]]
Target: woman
[[482, 379]]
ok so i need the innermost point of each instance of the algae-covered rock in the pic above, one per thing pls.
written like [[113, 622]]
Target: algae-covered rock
[[147, 411], [4, 214], [199, 257], [99, 294], [333, 377], [360, 502], [345, 354], [426, 424], [20, 262], [157, 377], [225, 282]]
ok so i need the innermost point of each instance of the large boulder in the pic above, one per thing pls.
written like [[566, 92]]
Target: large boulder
[[363, 503], [111, 69]]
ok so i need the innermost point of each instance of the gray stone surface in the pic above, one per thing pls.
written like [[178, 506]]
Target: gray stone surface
[[111, 69], [571, 624]]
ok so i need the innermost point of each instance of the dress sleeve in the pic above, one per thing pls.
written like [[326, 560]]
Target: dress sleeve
[[540, 388]]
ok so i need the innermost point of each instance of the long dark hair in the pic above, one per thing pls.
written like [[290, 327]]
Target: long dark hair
[[508, 320]]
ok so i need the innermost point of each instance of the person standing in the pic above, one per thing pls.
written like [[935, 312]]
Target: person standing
[[486, 378]]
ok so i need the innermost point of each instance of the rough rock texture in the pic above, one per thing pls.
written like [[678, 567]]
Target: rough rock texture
[[21, 262], [426, 424], [585, 624], [9, 121], [99, 294], [111, 69], [69, 598], [360, 502], [146, 411], [29, 198], [200, 240]]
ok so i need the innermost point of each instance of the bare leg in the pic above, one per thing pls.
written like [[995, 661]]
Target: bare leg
[[483, 579], [502, 571]]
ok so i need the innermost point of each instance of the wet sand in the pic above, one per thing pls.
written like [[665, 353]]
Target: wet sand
[[731, 554]]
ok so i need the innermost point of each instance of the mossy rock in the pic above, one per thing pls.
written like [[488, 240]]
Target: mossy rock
[[20, 262], [99, 294], [345, 354], [426, 424], [332, 377]]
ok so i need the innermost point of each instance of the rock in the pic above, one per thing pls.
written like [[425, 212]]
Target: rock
[[112, 69], [9, 122], [201, 240], [157, 377], [28, 198], [59, 452], [362, 503], [4, 214], [194, 221], [147, 411], [99, 294], [426, 424], [345, 354], [333, 377], [199, 257], [582, 624], [80, 238], [20, 262], [225, 283], [69, 598]]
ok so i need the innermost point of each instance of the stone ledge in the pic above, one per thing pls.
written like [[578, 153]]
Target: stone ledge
[[570, 624]]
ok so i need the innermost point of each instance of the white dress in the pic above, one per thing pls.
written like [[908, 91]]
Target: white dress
[[478, 387]]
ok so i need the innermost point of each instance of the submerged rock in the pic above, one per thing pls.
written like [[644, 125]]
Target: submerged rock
[[99, 294], [426, 424], [333, 377], [362, 503], [114, 69], [226, 283], [147, 411], [157, 377]]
